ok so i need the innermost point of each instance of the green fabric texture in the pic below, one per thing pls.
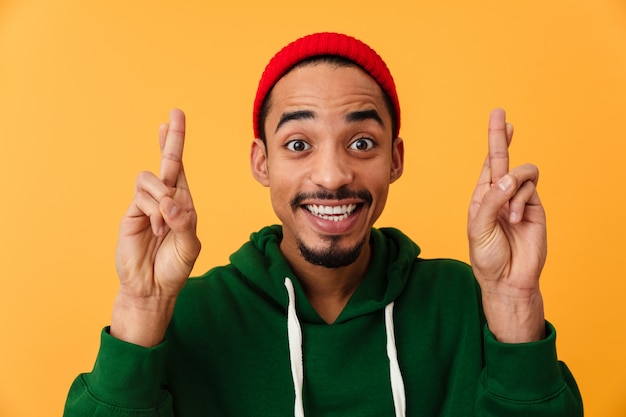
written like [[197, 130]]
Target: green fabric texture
[[226, 352]]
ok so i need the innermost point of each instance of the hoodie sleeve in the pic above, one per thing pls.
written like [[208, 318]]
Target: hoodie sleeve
[[125, 381], [526, 380]]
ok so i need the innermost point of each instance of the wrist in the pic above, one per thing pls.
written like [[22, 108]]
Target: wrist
[[515, 319], [141, 320]]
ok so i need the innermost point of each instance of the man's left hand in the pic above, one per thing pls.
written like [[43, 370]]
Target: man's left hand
[[507, 239]]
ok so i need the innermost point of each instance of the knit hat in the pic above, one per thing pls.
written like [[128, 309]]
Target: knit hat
[[318, 44]]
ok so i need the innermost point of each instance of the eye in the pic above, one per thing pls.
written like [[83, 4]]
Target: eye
[[298, 145], [363, 144]]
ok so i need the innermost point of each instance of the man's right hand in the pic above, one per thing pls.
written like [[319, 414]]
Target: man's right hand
[[157, 244]]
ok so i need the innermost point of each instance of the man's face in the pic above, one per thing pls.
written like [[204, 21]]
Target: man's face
[[329, 160]]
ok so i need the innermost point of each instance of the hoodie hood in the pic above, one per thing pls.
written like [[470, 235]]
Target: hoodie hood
[[262, 264], [264, 267]]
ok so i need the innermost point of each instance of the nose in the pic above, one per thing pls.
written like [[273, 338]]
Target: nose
[[331, 168]]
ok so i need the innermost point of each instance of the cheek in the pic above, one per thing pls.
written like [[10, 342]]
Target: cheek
[[378, 186], [376, 177], [282, 191], [285, 175]]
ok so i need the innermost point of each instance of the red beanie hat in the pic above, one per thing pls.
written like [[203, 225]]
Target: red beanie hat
[[325, 44]]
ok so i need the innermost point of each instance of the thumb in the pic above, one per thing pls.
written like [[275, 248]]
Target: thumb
[[182, 225], [499, 194], [169, 209], [492, 202]]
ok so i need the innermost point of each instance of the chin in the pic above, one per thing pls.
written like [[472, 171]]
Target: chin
[[333, 255]]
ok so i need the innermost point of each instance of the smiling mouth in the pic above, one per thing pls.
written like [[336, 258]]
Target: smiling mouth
[[332, 213]]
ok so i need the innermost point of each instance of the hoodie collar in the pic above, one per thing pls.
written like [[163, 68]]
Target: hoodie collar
[[263, 265]]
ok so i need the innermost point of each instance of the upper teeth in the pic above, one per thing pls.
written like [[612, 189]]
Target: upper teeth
[[332, 212]]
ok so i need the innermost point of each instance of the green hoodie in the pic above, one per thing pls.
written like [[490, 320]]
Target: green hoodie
[[411, 341]]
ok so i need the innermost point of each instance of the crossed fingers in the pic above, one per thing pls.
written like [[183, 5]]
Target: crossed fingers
[[516, 186], [154, 194]]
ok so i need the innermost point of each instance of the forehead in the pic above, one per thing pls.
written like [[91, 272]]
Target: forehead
[[322, 84]]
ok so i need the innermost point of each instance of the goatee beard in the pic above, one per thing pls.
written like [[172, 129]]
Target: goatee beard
[[333, 256]]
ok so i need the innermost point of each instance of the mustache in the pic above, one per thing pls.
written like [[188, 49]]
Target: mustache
[[341, 194]]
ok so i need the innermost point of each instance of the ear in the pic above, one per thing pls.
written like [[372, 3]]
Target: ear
[[258, 162], [397, 160]]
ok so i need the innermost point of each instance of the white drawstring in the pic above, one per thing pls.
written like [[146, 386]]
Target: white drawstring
[[397, 384], [294, 333], [295, 348]]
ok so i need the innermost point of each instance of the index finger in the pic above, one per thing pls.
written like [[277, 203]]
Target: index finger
[[498, 145], [172, 148]]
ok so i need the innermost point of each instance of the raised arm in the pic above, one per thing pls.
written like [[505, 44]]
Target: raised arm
[[507, 238], [157, 244]]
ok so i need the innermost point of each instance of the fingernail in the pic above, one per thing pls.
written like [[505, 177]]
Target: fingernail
[[173, 210], [505, 183]]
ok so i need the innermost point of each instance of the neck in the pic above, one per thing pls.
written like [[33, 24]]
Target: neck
[[329, 289]]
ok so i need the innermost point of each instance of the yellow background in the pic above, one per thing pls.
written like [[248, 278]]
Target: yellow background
[[84, 86]]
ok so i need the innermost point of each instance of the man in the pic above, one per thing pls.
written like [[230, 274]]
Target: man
[[324, 315]]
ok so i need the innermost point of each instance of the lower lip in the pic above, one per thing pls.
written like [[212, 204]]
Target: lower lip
[[334, 227]]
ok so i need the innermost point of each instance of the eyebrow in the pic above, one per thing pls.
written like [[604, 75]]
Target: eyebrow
[[359, 116], [295, 115], [356, 116]]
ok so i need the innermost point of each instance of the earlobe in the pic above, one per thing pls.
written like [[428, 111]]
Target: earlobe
[[258, 162], [397, 159]]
